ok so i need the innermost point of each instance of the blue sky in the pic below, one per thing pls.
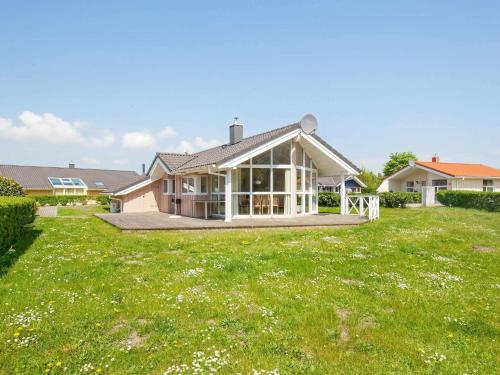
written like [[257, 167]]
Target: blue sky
[[107, 84]]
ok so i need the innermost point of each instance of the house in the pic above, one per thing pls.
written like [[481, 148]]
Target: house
[[451, 176], [332, 184], [67, 181], [266, 175]]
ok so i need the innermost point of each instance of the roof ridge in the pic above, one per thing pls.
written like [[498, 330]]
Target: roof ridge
[[252, 136], [173, 153], [45, 166]]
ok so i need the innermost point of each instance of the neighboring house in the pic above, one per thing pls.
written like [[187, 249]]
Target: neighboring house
[[451, 176], [332, 184], [270, 174], [67, 181]]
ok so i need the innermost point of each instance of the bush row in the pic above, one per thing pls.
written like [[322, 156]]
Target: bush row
[[488, 201], [64, 200], [60, 200], [15, 214], [392, 199], [399, 199], [329, 199]]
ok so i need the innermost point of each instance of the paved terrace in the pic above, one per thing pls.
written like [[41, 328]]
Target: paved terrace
[[158, 220]]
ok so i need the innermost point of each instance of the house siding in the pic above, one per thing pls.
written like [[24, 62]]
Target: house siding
[[145, 199]]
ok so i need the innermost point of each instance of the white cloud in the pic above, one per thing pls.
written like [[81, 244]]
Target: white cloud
[[46, 127], [197, 145], [168, 132], [138, 140], [106, 140]]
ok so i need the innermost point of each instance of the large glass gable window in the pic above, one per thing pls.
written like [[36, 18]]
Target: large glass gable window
[[263, 185]]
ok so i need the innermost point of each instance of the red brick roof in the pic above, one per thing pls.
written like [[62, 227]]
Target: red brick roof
[[461, 169]]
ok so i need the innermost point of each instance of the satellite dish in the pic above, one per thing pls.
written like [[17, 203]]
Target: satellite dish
[[309, 124]]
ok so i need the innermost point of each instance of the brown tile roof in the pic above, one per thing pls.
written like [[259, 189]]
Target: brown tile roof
[[220, 154], [461, 169], [35, 177], [223, 153]]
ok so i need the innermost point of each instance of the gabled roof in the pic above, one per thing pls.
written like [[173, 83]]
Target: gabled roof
[[461, 169], [35, 177], [220, 154], [226, 152], [335, 181]]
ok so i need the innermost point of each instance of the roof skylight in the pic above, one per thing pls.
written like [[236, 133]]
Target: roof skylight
[[66, 182]]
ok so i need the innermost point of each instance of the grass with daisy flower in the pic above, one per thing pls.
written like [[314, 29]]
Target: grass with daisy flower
[[414, 292]]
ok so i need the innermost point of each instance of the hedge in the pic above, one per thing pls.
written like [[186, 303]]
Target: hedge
[[60, 200], [103, 199], [488, 201], [15, 214], [399, 199], [9, 187], [329, 199]]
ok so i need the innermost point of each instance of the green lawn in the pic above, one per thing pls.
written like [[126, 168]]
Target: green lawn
[[81, 210], [417, 291]]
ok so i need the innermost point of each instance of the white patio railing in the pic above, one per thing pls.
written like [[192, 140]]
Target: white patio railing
[[363, 205]]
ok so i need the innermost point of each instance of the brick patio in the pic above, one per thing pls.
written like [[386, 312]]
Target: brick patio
[[158, 220]]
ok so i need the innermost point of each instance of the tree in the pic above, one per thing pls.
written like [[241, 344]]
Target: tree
[[397, 161], [10, 187], [371, 180]]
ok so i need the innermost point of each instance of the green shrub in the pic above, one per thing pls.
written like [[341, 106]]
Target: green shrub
[[103, 199], [15, 214], [488, 201], [9, 187], [329, 199], [62, 200], [399, 199]]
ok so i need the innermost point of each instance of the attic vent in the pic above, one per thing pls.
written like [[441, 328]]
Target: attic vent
[[235, 132]]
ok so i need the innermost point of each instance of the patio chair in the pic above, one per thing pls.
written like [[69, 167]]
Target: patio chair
[[276, 203], [257, 208], [264, 203]]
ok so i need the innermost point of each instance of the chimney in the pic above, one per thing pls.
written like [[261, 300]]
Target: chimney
[[435, 159], [235, 132], [143, 169], [71, 164]]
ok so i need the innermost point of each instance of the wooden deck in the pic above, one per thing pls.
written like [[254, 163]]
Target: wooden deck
[[158, 220]]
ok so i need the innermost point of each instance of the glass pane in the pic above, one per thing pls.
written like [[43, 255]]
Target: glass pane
[[314, 181], [299, 179], [261, 179], [203, 184], [241, 180], [281, 153], [264, 158], [281, 179], [307, 198], [308, 181], [261, 204], [299, 203], [56, 181], [281, 204], [242, 204], [314, 166], [191, 185], [298, 155], [165, 186], [308, 161], [314, 203], [215, 184]]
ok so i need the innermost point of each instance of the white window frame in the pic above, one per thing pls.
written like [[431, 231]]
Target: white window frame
[[196, 184], [488, 186], [305, 194], [170, 187], [313, 190], [410, 186]]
